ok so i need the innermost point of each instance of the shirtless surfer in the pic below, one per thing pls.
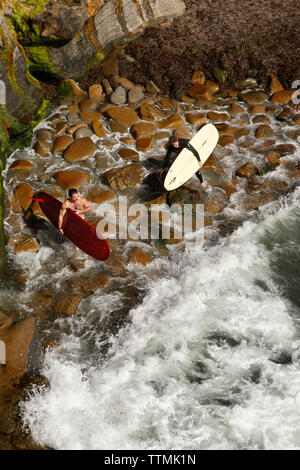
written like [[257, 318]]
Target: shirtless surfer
[[76, 203]]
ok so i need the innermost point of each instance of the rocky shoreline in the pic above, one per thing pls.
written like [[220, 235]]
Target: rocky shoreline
[[109, 145], [106, 142]]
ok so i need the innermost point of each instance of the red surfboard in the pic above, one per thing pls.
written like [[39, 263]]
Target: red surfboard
[[75, 228]]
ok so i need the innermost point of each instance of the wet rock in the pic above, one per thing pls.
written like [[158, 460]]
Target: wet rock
[[143, 129], [127, 140], [41, 303], [85, 287], [96, 92], [44, 134], [200, 91], [257, 109], [99, 196], [67, 305], [254, 201], [135, 95], [173, 122], [76, 90], [118, 96], [261, 119], [89, 105], [28, 245], [150, 112], [225, 140], [23, 165], [184, 195], [21, 199], [183, 133], [164, 102], [152, 88], [254, 97], [17, 338], [118, 127], [128, 154], [282, 97], [246, 171], [297, 120], [71, 179], [211, 163], [83, 132], [61, 143], [80, 149], [285, 149], [138, 256], [5, 321], [143, 144], [123, 82], [272, 158], [98, 129], [196, 119], [285, 115], [211, 86], [90, 116], [230, 187], [226, 129], [274, 84], [107, 87], [126, 177], [75, 128], [236, 109], [42, 147], [215, 201], [125, 116], [220, 75], [73, 118], [198, 78], [116, 263], [218, 117], [263, 131]]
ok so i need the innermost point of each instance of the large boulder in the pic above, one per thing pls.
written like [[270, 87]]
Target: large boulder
[[16, 338], [126, 177], [20, 93]]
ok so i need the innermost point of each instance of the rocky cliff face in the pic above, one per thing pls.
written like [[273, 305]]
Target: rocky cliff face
[[21, 94], [115, 22]]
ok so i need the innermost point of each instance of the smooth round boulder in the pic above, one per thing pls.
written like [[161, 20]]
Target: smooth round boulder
[[89, 105], [125, 116], [246, 171], [83, 132], [118, 96], [61, 143], [21, 165], [149, 112], [138, 256], [135, 95], [80, 149], [98, 129], [254, 97], [71, 179], [128, 154]]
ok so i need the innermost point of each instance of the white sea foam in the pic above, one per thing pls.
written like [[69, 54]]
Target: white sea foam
[[192, 369]]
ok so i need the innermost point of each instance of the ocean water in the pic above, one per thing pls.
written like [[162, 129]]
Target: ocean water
[[209, 359]]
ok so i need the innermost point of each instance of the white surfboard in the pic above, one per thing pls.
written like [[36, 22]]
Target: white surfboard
[[186, 164]]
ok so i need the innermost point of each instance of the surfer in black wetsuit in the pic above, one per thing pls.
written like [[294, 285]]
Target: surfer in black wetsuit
[[174, 148]]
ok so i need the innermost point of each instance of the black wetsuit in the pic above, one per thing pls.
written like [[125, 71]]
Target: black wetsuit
[[172, 154]]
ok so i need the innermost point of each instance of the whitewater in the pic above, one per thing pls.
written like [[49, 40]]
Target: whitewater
[[210, 359]]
